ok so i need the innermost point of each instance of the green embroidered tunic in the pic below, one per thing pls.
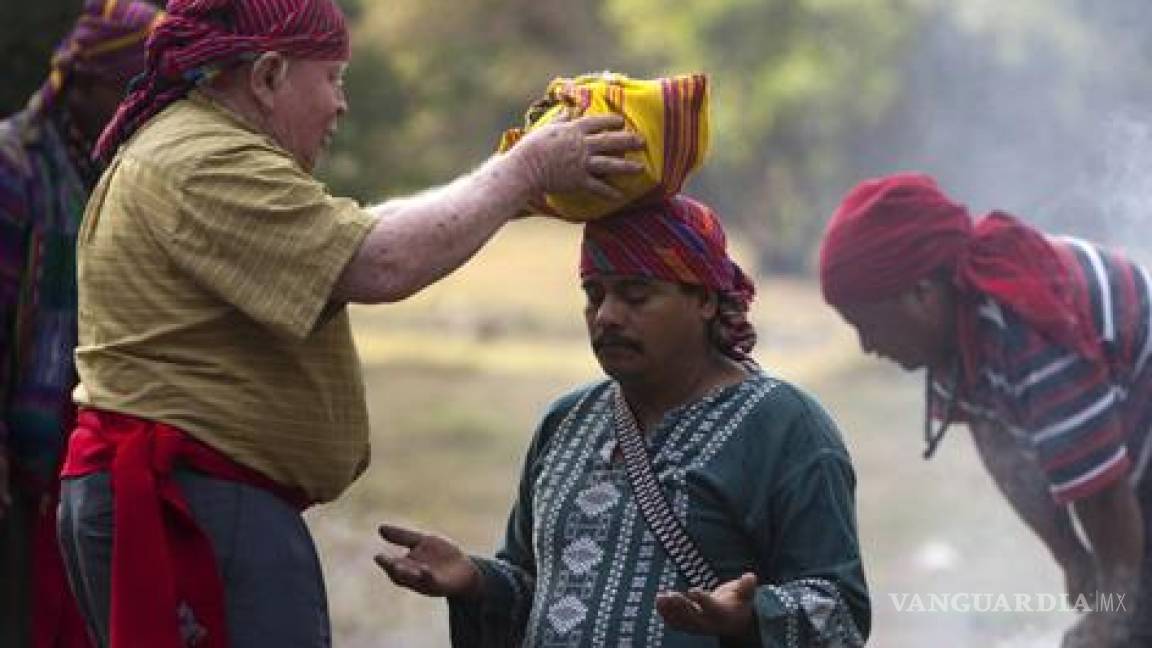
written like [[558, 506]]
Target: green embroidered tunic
[[757, 472]]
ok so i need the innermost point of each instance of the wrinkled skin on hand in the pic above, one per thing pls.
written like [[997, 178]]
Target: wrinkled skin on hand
[[571, 156]]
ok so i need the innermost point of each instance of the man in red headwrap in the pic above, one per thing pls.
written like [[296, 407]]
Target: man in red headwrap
[[1042, 346], [691, 500], [220, 391], [46, 175]]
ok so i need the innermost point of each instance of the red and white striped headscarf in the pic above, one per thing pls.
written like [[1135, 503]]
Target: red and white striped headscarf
[[677, 239], [197, 35]]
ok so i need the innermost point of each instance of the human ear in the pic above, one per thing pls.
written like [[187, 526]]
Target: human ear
[[266, 77], [927, 290]]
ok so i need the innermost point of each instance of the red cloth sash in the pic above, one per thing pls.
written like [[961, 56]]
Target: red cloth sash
[[163, 564]]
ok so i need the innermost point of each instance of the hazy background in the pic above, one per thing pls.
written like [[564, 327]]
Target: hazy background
[[1038, 107]]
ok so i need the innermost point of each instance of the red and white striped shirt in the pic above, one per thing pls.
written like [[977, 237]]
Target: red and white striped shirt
[[1086, 421]]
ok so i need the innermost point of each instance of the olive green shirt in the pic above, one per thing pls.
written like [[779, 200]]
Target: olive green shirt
[[206, 259]]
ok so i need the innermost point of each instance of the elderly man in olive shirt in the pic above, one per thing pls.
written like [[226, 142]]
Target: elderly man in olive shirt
[[219, 385]]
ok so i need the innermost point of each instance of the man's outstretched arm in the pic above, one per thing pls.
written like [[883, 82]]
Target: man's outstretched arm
[[420, 239]]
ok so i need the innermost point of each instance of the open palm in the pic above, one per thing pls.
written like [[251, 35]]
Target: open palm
[[726, 611], [432, 565]]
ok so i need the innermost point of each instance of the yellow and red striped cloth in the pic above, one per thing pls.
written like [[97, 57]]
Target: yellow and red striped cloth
[[671, 114]]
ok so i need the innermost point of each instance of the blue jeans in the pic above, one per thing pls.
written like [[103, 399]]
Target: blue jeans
[[274, 589]]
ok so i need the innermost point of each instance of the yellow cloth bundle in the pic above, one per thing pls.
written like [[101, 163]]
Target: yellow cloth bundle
[[671, 114]]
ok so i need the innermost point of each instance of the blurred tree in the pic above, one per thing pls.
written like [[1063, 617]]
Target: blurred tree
[[29, 32], [433, 83], [1038, 107], [793, 82], [1011, 104]]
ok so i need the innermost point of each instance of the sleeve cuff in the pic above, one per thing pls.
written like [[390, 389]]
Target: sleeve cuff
[[1093, 481]]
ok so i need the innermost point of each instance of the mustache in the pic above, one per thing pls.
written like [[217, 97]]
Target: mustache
[[613, 340]]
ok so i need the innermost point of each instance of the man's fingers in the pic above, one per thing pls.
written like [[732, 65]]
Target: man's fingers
[[746, 587], [602, 189], [680, 613], [709, 608], [597, 123], [407, 573], [389, 565], [603, 165], [400, 535], [613, 142]]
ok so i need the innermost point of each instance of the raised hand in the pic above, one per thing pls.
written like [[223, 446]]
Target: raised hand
[[431, 565], [726, 611], [568, 156]]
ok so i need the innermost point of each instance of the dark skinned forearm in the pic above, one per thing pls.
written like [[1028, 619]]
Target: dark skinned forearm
[[1113, 523], [1020, 480]]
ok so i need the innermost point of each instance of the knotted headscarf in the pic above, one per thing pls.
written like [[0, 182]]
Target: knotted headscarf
[[107, 42], [198, 36], [680, 240], [891, 232]]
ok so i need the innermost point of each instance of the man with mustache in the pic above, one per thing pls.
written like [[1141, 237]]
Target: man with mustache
[[1042, 346], [749, 468], [220, 391], [46, 175]]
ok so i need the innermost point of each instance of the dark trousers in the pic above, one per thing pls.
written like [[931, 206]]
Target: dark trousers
[[274, 588], [16, 530]]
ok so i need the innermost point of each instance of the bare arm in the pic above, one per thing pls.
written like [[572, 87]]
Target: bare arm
[[420, 239], [1023, 484], [1113, 522]]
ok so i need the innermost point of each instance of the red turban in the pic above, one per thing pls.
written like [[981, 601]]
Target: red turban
[[107, 42], [680, 240], [891, 232], [199, 35]]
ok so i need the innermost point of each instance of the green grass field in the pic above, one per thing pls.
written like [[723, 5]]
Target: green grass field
[[457, 377]]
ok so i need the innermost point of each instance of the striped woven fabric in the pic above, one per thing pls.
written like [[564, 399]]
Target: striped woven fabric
[[107, 42], [653, 501], [680, 240], [45, 179], [671, 114], [199, 36]]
